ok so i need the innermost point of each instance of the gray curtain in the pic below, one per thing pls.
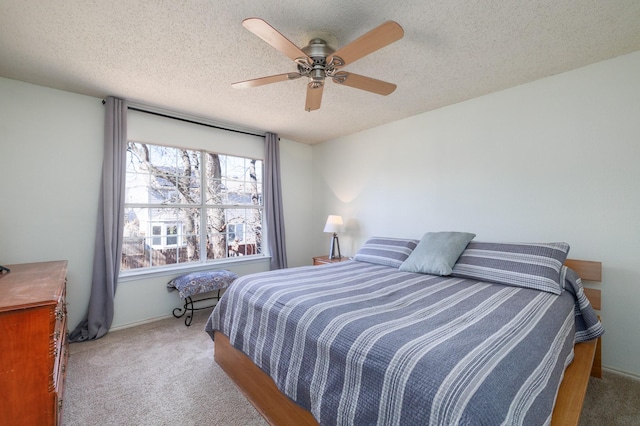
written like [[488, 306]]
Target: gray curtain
[[109, 228], [273, 203]]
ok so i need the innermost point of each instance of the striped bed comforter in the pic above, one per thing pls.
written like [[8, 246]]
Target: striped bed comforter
[[363, 344]]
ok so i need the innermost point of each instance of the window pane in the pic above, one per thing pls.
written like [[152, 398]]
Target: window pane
[[162, 190], [216, 189], [163, 255], [162, 175], [171, 231], [132, 223], [137, 188], [233, 232], [133, 253], [258, 165], [244, 193], [259, 200], [244, 231], [233, 180], [253, 229], [216, 192], [156, 230], [216, 246], [216, 234]]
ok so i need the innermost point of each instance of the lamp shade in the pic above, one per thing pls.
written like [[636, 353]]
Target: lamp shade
[[333, 223]]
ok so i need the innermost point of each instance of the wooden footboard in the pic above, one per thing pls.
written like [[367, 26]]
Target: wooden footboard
[[278, 409], [258, 387], [574, 385]]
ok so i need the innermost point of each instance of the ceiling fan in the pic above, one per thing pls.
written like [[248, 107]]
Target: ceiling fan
[[318, 60]]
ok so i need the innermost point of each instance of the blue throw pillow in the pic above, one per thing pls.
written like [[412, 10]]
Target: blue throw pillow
[[437, 252]]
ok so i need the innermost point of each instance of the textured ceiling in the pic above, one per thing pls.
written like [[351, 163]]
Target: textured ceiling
[[184, 55]]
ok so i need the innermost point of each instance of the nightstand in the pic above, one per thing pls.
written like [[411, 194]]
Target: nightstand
[[321, 260]]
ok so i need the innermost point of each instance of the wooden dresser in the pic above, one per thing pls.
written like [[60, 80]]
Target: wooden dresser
[[33, 343]]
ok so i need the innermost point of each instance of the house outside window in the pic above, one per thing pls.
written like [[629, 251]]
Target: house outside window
[[189, 206]]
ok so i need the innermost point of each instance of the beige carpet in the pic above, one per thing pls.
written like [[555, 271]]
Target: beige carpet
[[613, 400], [163, 373]]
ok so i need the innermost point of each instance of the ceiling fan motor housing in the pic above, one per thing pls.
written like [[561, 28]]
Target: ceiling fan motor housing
[[318, 50], [317, 47]]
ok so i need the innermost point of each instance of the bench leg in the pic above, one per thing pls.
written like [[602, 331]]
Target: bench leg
[[189, 308]]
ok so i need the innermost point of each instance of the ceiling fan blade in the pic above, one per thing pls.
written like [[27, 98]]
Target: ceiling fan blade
[[265, 80], [314, 97], [375, 39], [364, 83], [269, 34]]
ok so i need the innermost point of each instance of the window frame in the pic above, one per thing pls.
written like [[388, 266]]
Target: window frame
[[203, 262]]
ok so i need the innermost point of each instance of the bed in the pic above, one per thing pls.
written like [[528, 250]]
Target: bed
[[369, 341]]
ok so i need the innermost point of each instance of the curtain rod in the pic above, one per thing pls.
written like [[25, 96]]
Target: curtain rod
[[186, 120]]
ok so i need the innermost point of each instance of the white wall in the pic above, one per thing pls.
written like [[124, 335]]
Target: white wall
[[554, 160], [50, 164], [50, 167], [296, 176]]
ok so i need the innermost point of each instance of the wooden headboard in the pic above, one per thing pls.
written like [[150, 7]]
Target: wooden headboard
[[574, 385], [588, 270], [591, 271]]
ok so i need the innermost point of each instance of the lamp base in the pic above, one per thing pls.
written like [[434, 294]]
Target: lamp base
[[332, 248]]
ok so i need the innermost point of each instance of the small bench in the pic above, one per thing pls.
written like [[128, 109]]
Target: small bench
[[196, 283]]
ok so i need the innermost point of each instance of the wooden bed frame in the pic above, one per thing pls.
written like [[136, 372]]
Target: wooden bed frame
[[278, 409]]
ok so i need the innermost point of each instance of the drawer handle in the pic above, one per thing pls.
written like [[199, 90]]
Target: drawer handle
[[60, 404]]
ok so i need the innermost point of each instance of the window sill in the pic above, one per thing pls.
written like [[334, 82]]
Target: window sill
[[134, 275]]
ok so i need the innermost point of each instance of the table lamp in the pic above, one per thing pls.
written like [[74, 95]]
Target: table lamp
[[333, 224]]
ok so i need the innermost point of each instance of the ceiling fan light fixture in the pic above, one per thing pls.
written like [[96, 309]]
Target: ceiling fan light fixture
[[317, 74]]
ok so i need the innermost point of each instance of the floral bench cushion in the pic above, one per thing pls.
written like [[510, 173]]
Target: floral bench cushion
[[201, 282]]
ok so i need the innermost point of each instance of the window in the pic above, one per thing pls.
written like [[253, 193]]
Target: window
[[236, 232], [189, 206], [164, 235]]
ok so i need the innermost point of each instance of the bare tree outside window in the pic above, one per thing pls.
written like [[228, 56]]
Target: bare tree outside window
[[188, 206]]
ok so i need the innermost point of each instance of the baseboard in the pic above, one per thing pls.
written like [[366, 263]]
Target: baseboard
[[134, 324], [621, 373]]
